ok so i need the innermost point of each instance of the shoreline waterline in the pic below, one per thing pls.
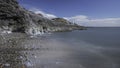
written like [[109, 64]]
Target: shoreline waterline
[[74, 49]]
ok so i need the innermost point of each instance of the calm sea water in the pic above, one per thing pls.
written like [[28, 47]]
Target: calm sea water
[[92, 48], [103, 37]]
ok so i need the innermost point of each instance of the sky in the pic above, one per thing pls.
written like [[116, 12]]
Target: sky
[[83, 12]]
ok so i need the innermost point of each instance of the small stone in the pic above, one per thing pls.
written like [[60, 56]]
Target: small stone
[[21, 57], [7, 64], [28, 64], [35, 56], [57, 62]]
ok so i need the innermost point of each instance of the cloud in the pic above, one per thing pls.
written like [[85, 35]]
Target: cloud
[[83, 19], [47, 15], [86, 21]]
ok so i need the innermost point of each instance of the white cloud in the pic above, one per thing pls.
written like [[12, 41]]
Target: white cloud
[[38, 11], [85, 21]]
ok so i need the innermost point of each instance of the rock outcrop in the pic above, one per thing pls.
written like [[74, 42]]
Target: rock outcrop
[[15, 18]]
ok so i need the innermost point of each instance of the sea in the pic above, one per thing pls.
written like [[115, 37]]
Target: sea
[[91, 48]]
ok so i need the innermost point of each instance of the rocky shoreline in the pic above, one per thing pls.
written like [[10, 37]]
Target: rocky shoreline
[[18, 50], [16, 24], [14, 18], [15, 50]]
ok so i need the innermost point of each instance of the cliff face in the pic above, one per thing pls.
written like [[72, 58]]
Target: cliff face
[[11, 15], [15, 18]]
